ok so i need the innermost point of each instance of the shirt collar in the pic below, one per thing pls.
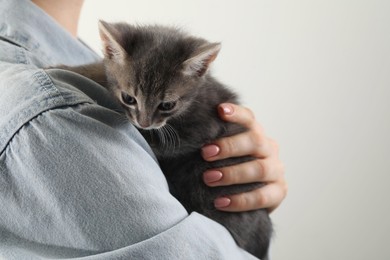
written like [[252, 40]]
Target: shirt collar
[[25, 24]]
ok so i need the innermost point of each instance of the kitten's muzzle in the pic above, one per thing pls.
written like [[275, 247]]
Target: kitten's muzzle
[[149, 126]]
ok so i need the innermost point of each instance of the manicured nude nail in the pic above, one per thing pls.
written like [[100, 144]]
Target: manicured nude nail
[[212, 176], [227, 109], [222, 202], [210, 151]]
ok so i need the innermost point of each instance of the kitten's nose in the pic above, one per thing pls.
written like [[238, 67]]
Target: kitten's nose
[[143, 122], [144, 126]]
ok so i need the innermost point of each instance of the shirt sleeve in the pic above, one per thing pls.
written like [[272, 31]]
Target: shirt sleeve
[[78, 180]]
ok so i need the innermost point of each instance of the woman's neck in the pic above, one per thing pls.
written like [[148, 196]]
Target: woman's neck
[[65, 12]]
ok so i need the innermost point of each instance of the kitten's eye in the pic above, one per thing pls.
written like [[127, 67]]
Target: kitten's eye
[[167, 106], [129, 100]]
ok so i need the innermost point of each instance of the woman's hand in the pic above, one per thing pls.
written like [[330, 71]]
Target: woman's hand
[[267, 168]]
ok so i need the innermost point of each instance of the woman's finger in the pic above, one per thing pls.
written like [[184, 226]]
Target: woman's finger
[[259, 170], [246, 143], [268, 196], [236, 114]]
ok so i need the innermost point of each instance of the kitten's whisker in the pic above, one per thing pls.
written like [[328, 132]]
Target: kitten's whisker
[[174, 135], [169, 143], [161, 136], [170, 140]]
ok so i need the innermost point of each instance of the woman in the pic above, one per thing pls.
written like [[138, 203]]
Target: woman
[[78, 183]]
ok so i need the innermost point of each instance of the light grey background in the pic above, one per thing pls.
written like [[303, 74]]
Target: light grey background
[[317, 75]]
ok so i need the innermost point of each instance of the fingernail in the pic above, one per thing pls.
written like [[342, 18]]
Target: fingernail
[[210, 150], [227, 109], [212, 176], [222, 202]]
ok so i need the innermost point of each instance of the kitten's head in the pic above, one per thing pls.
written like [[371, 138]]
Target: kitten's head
[[154, 71]]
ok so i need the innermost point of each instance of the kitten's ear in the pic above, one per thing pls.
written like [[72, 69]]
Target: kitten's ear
[[198, 64], [111, 48]]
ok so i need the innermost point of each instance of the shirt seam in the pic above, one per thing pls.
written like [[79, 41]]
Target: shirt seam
[[55, 101], [6, 144]]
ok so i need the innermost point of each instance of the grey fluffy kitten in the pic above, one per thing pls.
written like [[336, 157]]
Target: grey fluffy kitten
[[160, 77]]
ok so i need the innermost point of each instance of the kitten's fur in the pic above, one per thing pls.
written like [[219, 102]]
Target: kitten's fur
[[160, 77]]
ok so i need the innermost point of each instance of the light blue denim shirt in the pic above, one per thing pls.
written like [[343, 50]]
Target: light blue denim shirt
[[76, 179]]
